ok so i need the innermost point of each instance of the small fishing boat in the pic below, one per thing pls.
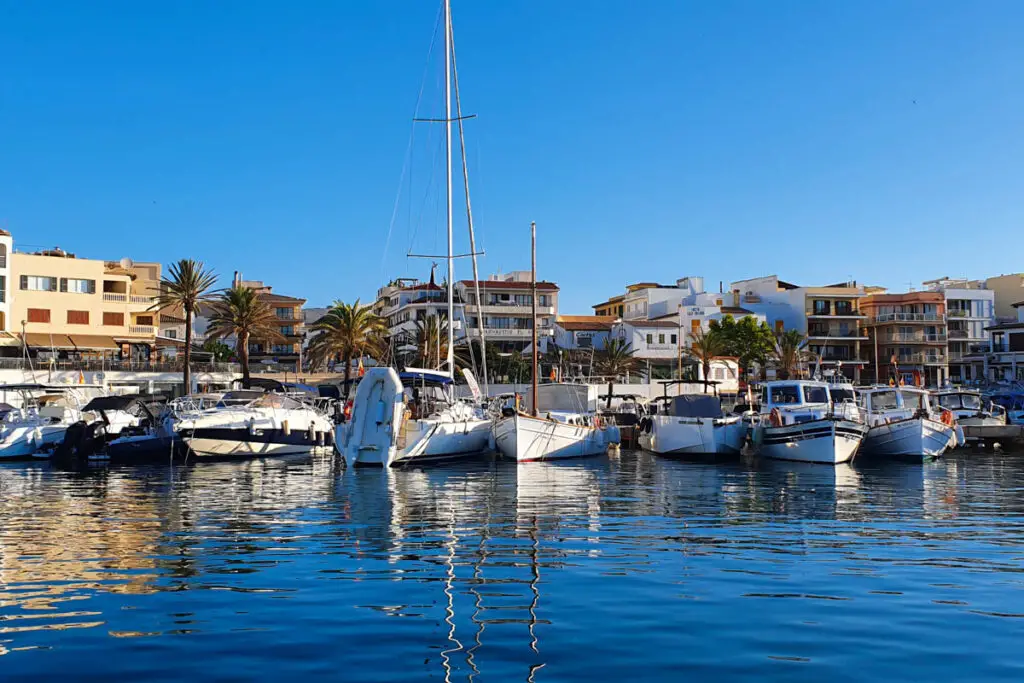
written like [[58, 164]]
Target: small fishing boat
[[564, 424], [799, 421], [982, 424], [692, 424], [903, 424]]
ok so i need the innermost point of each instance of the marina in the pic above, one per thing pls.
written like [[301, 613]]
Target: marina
[[485, 569]]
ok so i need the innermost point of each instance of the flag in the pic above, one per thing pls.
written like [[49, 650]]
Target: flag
[[81, 377], [553, 375], [362, 370]]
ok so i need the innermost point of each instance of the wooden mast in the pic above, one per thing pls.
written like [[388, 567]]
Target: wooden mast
[[533, 327]]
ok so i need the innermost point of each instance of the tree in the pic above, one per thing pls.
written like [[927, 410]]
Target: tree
[[750, 341], [348, 331], [790, 352], [705, 347], [220, 351], [240, 313], [187, 288], [615, 360]]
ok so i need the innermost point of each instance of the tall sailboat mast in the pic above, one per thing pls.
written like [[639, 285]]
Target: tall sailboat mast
[[448, 175]]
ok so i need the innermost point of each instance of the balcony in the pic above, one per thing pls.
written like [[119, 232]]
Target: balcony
[[922, 359], [822, 332], [909, 318], [142, 330], [513, 309], [115, 298], [913, 337], [958, 334], [509, 332]]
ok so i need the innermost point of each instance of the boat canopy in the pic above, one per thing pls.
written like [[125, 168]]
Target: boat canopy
[[130, 403], [696, 405], [411, 376], [565, 398]]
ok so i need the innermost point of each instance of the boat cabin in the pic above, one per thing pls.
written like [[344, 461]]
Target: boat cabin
[[960, 401]]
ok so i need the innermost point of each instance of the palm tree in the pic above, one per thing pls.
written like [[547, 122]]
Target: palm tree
[[616, 360], [706, 347], [187, 288], [349, 331], [239, 312], [790, 352]]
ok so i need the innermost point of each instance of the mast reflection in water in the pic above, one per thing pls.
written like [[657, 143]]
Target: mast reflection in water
[[627, 567]]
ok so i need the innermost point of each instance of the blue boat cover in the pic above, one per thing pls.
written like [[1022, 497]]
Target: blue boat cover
[[696, 405]]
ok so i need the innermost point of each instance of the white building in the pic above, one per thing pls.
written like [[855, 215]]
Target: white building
[[507, 305], [404, 302], [582, 331], [1005, 362], [970, 309]]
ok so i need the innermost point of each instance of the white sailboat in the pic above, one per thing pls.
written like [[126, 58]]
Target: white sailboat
[[563, 420], [412, 417]]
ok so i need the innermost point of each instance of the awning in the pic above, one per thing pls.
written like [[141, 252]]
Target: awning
[[168, 343], [44, 342], [8, 339], [94, 341]]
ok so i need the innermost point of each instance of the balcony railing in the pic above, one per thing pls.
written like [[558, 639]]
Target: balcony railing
[[920, 337], [42, 365], [958, 334], [117, 298], [909, 318], [499, 332], [922, 359], [141, 330], [835, 333]]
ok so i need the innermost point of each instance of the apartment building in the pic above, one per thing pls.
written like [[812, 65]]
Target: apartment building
[[583, 331], [285, 352], [405, 302], [613, 307], [655, 345], [1005, 361], [907, 338], [1008, 290], [507, 302], [970, 309], [67, 308], [828, 316]]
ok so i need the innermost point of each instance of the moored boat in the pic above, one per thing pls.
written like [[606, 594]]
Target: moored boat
[[902, 424], [693, 424], [799, 421]]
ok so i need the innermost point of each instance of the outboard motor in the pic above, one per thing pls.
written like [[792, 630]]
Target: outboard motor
[[81, 440]]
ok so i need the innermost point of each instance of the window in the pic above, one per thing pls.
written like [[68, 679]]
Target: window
[[545, 300], [661, 339], [287, 330], [144, 320], [38, 283], [38, 315], [3, 255], [816, 394], [822, 306], [694, 327], [779, 325], [526, 300], [674, 339], [884, 400], [77, 286], [584, 342], [650, 338], [787, 393], [172, 334], [719, 373], [844, 308], [284, 313], [113, 319], [78, 317], [281, 348], [3, 287]]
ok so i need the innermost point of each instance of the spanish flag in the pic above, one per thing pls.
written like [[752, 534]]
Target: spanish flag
[[362, 370], [81, 377]]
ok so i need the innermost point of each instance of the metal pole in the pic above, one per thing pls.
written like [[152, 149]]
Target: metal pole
[[448, 172], [533, 279]]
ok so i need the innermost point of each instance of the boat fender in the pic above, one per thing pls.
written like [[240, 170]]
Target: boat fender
[[321, 438], [597, 421], [329, 437], [775, 417], [252, 426], [286, 428], [311, 433], [947, 418]]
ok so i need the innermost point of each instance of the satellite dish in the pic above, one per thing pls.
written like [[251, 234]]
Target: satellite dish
[[126, 263]]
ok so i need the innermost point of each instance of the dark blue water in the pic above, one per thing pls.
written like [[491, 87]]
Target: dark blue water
[[619, 568]]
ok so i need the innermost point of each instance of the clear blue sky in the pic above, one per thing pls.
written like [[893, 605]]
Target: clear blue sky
[[649, 140]]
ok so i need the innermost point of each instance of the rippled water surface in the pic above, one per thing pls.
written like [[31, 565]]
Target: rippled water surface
[[620, 568]]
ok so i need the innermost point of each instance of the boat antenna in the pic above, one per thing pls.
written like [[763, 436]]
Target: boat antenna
[[533, 327], [469, 217]]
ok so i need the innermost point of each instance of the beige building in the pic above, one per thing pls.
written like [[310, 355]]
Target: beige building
[[507, 303], [1009, 290], [64, 307]]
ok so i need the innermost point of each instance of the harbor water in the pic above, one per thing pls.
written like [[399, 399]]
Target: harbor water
[[626, 567]]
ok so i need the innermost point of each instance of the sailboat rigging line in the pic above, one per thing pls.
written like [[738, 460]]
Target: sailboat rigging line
[[407, 163], [454, 118], [479, 253], [469, 217], [448, 180]]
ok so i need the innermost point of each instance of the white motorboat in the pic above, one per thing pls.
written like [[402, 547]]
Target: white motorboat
[[46, 412], [693, 424], [410, 418], [270, 425], [157, 437], [902, 424], [982, 423], [566, 425], [799, 421]]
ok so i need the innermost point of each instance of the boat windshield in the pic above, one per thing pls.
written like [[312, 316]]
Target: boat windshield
[[785, 394], [914, 400], [276, 401], [884, 400], [971, 401], [840, 394], [954, 401], [816, 394]]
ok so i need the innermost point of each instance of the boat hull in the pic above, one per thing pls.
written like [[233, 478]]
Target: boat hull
[[819, 441], [666, 435], [917, 438], [25, 443], [241, 443], [440, 441], [524, 439]]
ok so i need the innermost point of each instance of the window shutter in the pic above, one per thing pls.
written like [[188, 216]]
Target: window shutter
[[24, 282], [63, 284], [92, 286]]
